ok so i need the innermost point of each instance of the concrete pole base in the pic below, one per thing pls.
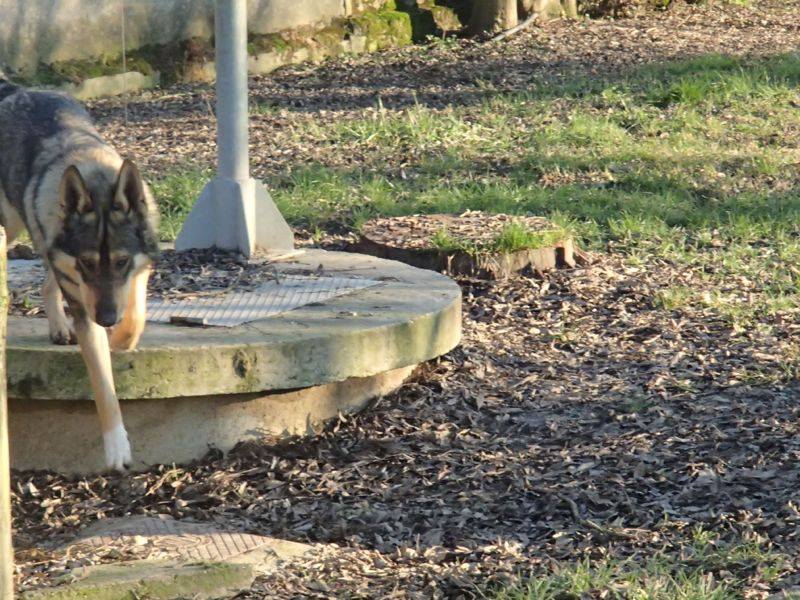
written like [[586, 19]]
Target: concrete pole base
[[236, 215]]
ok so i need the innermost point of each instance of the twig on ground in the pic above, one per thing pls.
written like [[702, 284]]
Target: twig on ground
[[509, 32], [612, 532]]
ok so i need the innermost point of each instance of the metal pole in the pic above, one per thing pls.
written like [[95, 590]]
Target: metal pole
[[231, 57], [6, 551], [234, 211]]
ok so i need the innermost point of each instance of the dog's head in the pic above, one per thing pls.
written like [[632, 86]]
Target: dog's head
[[107, 236]]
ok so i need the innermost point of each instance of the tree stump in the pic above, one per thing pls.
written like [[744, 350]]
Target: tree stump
[[473, 244]]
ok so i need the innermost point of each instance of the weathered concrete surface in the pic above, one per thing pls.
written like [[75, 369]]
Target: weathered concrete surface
[[266, 62], [412, 316], [162, 580], [187, 389], [185, 540], [112, 85], [196, 560], [64, 436], [60, 30]]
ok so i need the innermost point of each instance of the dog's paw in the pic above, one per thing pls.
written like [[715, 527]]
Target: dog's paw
[[118, 448], [63, 336], [118, 342], [125, 335]]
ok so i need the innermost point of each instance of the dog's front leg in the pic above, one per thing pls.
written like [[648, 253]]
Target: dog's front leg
[[125, 335], [60, 331], [93, 341]]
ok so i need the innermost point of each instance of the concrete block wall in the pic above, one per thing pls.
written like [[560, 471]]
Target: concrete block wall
[[47, 31]]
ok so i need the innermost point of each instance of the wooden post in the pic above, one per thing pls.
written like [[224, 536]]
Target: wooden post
[[6, 551]]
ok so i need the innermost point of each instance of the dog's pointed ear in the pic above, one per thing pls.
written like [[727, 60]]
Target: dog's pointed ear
[[130, 193], [133, 196], [73, 193]]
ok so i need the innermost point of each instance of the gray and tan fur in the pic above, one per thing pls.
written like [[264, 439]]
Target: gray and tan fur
[[93, 220]]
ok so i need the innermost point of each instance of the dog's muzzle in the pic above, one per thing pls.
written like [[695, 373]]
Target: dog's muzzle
[[107, 316]]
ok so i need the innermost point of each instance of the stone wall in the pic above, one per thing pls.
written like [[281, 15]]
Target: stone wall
[[34, 32]]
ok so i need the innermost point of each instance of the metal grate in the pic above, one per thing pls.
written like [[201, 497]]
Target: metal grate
[[273, 298], [168, 539]]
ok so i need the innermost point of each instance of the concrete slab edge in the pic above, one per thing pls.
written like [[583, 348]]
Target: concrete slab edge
[[112, 85], [154, 580]]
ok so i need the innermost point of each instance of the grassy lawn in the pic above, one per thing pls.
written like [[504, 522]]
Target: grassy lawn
[[693, 162], [691, 576]]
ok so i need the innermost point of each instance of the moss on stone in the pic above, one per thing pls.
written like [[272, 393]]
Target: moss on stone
[[154, 580], [360, 6], [176, 60], [329, 40], [77, 71], [171, 60], [383, 28], [446, 18], [245, 364], [318, 43], [268, 42], [378, 21]]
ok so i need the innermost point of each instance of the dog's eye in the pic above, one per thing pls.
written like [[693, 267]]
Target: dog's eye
[[87, 264], [121, 263]]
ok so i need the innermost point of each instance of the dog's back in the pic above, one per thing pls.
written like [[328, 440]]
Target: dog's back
[[40, 132]]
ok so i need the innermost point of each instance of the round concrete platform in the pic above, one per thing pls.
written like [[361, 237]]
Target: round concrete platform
[[188, 389]]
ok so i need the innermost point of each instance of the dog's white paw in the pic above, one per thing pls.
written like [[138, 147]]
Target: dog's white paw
[[118, 448], [62, 334]]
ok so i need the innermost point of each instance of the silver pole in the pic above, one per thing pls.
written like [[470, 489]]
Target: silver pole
[[232, 113], [234, 210]]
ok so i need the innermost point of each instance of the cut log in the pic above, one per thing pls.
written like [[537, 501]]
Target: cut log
[[474, 244]]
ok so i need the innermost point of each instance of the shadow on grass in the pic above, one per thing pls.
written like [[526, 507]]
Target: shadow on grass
[[471, 81], [322, 198], [429, 81]]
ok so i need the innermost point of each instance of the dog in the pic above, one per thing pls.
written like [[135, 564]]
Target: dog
[[93, 220]]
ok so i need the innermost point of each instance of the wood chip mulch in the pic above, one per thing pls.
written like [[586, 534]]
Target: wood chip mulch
[[417, 232], [578, 419]]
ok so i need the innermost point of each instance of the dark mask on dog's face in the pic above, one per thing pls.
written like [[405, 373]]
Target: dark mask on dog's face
[[105, 239]]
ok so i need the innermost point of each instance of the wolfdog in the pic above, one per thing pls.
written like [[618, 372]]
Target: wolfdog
[[93, 221]]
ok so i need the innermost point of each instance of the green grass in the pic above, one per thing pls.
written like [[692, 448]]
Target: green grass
[[694, 162], [512, 238], [176, 194], [704, 568]]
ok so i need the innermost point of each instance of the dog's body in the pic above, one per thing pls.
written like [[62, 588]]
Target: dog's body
[[93, 220]]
